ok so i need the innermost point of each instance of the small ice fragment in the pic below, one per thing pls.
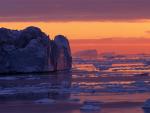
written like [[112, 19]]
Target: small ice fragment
[[73, 100], [45, 101], [91, 105], [90, 108], [146, 104], [92, 102], [8, 78]]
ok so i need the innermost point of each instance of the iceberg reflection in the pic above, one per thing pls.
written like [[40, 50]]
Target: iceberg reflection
[[30, 87]]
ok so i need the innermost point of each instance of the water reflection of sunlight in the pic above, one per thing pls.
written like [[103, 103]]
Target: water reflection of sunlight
[[85, 67]]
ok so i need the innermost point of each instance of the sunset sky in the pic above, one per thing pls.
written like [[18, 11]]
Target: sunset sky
[[79, 18]]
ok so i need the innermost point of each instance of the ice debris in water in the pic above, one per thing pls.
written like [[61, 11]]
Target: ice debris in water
[[146, 104], [45, 101], [91, 105], [74, 100]]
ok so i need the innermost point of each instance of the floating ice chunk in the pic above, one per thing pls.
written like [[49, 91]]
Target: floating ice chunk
[[74, 100], [146, 110], [139, 83], [8, 78], [90, 108], [146, 104], [45, 101], [92, 102], [7, 92], [32, 78], [91, 105], [87, 54]]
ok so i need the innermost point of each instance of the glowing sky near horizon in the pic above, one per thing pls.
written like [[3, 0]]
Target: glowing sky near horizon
[[88, 30], [79, 18]]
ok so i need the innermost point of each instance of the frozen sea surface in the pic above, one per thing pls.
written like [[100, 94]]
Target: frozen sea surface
[[120, 83]]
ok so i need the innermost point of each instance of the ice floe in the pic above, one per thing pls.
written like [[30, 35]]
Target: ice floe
[[91, 105], [45, 101], [146, 105]]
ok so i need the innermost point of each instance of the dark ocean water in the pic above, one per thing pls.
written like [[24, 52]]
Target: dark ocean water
[[120, 83]]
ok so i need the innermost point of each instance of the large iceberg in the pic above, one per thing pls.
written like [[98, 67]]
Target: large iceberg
[[87, 54], [31, 50]]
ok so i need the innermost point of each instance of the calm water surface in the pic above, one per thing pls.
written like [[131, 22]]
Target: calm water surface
[[122, 84]]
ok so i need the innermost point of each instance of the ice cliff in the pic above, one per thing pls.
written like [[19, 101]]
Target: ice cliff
[[31, 50]]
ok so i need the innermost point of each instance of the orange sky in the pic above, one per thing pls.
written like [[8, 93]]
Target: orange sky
[[87, 30]]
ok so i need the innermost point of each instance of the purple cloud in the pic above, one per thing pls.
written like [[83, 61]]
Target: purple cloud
[[73, 10]]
